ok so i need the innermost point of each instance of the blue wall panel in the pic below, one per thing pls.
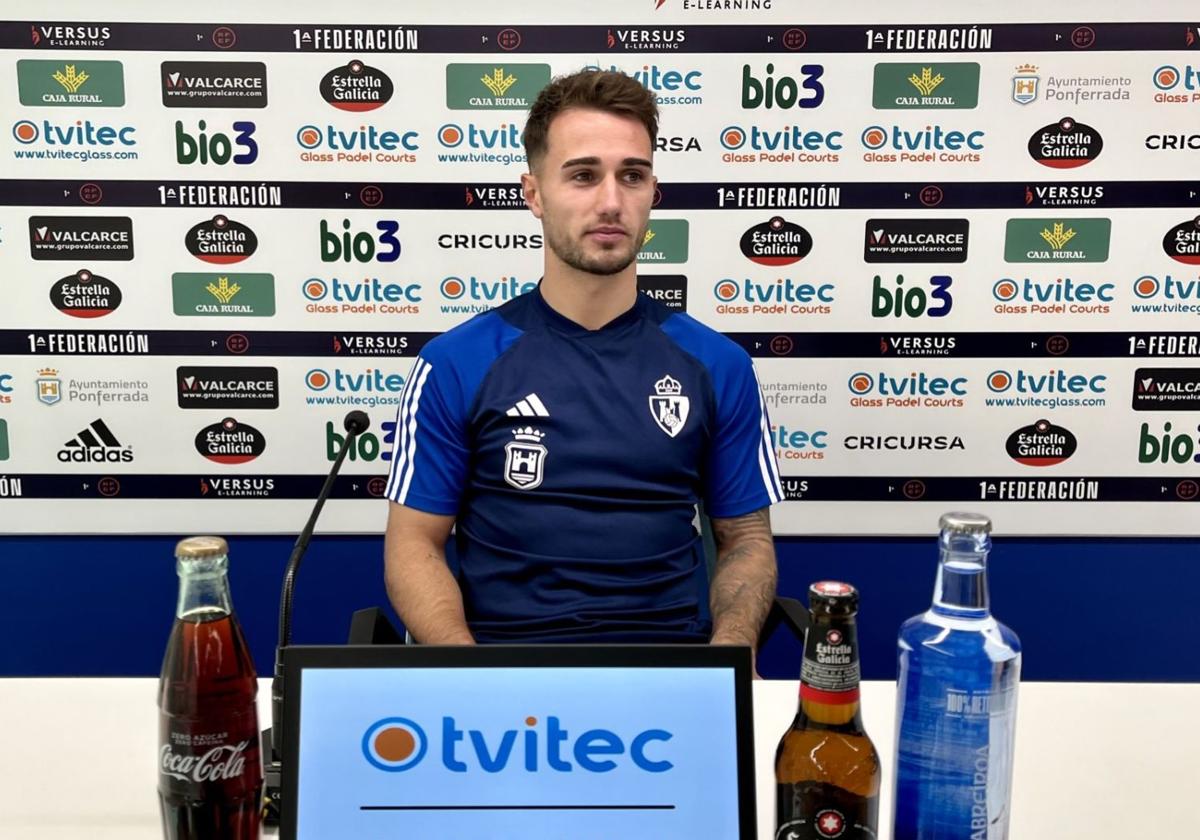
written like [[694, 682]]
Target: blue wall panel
[[1086, 610]]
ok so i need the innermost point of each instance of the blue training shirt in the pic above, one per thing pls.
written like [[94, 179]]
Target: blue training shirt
[[573, 460]]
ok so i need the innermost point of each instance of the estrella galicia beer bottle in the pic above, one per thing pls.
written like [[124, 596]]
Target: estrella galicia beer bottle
[[827, 772], [209, 774]]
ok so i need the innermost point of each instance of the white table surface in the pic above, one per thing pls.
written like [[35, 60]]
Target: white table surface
[[1095, 761]]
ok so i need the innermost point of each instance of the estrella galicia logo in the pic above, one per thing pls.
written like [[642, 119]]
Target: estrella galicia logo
[[221, 240], [81, 237], [396, 744], [1041, 445], [1182, 242], [776, 242], [1065, 144], [230, 442], [214, 84], [85, 295], [356, 87]]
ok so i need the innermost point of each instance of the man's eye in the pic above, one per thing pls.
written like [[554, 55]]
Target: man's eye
[[582, 176], [634, 175]]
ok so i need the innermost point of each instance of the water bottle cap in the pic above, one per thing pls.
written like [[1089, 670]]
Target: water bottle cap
[[194, 548], [965, 523]]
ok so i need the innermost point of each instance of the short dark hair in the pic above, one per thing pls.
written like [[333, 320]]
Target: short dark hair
[[602, 90]]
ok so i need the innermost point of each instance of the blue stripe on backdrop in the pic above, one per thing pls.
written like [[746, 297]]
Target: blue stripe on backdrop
[[102, 606]]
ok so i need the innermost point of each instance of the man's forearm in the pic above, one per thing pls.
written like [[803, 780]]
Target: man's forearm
[[743, 585], [425, 595]]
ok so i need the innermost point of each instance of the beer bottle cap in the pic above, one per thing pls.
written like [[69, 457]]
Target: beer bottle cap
[[965, 523], [193, 548], [832, 597]]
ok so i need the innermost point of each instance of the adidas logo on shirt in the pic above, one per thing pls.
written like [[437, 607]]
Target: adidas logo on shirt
[[95, 444], [531, 406]]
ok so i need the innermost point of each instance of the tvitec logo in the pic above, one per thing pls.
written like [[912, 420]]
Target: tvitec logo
[[1171, 82], [784, 296], [471, 294], [1164, 295], [931, 144], [81, 139], [1057, 297], [365, 144], [790, 144], [368, 296], [216, 147], [917, 390], [490, 145], [397, 744]]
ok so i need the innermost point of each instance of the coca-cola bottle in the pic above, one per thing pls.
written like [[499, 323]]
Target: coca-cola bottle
[[209, 773]]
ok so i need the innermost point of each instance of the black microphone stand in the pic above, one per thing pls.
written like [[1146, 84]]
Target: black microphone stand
[[355, 423]]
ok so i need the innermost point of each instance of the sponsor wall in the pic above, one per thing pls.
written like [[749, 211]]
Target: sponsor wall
[[964, 256]]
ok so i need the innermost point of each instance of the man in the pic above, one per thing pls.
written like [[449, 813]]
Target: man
[[570, 432]]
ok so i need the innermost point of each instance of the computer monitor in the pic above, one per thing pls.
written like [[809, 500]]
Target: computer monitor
[[518, 743]]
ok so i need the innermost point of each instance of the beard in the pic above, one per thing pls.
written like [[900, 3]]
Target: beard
[[611, 259]]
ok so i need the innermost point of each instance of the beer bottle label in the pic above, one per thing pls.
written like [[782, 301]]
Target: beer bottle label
[[819, 811], [830, 672]]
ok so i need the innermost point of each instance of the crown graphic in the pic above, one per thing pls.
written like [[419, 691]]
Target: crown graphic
[[528, 434], [1058, 237], [47, 372], [926, 82], [499, 82], [1026, 68], [667, 387]]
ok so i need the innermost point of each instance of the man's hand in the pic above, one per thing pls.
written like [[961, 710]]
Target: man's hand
[[743, 585]]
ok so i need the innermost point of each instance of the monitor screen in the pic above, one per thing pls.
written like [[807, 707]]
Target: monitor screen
[[517, 743]]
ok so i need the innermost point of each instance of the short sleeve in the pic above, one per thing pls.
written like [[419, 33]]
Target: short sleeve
[[741, 473], [429, 462]]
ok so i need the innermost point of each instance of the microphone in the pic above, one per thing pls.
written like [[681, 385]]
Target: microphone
[[355, 423]]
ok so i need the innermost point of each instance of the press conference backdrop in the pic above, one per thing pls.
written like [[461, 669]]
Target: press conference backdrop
[[963, 254]]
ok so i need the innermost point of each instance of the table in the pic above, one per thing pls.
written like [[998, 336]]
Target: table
[[1094, 761]]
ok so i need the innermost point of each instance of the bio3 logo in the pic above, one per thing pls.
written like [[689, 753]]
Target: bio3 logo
[[396, 744], [1168, 446], [784, 91], [360, 246], [893, 300], [205, 147]]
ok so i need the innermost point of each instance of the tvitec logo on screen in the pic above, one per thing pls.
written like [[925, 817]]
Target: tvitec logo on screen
[[396, 744]]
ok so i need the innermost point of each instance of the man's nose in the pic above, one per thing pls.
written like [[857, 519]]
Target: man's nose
[[609, 196]]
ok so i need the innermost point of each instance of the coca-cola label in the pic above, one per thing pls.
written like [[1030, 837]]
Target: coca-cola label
[[216, 764]]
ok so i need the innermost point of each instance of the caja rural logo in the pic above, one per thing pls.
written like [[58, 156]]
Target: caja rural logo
[[396, 744]]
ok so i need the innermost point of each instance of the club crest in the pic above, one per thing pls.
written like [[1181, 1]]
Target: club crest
[[1025, 84], [668, 406], [49, 386], [525, 458]]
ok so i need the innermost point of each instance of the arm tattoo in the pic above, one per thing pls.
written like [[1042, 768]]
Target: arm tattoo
[[743, 584]]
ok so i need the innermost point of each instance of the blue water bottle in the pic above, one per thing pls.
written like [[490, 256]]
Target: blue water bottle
[[956, 701]]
